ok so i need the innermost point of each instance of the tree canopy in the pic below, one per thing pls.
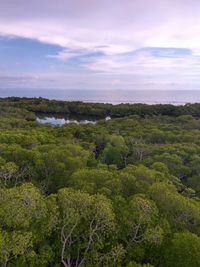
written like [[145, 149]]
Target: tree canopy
[[123, 192]]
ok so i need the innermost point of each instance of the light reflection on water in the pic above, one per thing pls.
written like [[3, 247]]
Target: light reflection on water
[[61, 120]]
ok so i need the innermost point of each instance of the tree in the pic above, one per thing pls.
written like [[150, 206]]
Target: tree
[[86, 222], [8, 173], [26, 219], [183, 251], [129, 184], [180, 211], [94, 181], [140, 222], [56, 164], [115, 152], [13, 244]]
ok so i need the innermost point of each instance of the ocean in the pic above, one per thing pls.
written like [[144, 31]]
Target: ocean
[[175, 97]]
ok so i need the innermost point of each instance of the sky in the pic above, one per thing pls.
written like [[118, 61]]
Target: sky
[[100, 44]]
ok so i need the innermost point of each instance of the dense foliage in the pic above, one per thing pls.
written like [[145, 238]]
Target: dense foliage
[[98, 109], [119, 193]]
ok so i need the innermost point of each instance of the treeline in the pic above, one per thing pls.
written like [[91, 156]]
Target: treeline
[[99, 109], [119, 193]]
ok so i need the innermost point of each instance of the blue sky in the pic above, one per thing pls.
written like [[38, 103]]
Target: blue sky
[[108, 44]]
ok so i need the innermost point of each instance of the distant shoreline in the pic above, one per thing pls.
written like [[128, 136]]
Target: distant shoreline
[[43, 105], [115, 97]]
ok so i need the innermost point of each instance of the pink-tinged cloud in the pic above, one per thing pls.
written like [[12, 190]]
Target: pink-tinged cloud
[[114, 29]]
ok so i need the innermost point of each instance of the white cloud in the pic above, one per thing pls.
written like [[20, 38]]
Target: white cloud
[[115, 26], [112, 28]]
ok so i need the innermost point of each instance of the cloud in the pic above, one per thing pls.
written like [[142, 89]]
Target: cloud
[[152, 41], [113, 26], [149, 62]]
